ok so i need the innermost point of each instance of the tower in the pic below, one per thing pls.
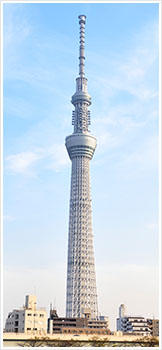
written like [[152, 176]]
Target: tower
[[122, 311], [81, 298]]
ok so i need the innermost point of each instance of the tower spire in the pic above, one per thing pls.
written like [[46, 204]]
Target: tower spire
[[82, 21], [81, 99]]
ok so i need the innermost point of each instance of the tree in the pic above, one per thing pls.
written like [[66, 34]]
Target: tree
[[34, 342], [148, 341]]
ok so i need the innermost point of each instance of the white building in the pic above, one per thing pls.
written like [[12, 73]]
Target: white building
[[28, 319], [132, 324]]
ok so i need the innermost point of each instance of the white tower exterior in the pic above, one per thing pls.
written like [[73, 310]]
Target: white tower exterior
[[122, 311], [81, 295]]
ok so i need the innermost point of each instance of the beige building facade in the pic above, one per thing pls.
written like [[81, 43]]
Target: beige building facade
[[154, 326], [84, 325], [28, 319]]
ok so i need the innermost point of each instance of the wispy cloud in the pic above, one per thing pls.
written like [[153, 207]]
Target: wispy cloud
[[8, 218], [28, 56], [128, 99], [131, 69], [113, 127], [17, 29], [54, 157], [22, 162]]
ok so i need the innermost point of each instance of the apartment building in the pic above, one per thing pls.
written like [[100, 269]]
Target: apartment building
[[28, 319], [132, 324], [77, 325], [135, 324]]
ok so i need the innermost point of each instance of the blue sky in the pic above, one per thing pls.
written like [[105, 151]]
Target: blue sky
[[40, 68]]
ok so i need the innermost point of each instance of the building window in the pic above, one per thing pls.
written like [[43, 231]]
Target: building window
[[29, 314], [41, 315], [28, 329]]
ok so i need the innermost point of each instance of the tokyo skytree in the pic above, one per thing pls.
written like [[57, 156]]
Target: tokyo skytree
[[81, 280]]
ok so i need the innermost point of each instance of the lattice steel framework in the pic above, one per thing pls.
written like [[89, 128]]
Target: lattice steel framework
[[81, 280]]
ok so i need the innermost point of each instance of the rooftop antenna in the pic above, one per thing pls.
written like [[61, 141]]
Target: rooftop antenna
[[82, 21], [50, 306]]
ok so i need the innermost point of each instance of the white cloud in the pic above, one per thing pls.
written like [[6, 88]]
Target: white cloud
[[8, 218], [55, 157], [22, 162]]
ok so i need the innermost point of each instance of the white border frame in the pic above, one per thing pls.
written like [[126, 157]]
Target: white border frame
[[1, 151]]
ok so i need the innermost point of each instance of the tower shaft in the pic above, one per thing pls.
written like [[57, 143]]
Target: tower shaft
[[81, 280]]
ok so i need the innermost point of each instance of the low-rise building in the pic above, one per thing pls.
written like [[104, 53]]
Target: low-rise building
[[135, 324], [28, 319], [132, 324], [77, 325]]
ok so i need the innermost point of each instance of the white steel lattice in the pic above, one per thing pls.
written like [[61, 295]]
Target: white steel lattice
[[81, 279]]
